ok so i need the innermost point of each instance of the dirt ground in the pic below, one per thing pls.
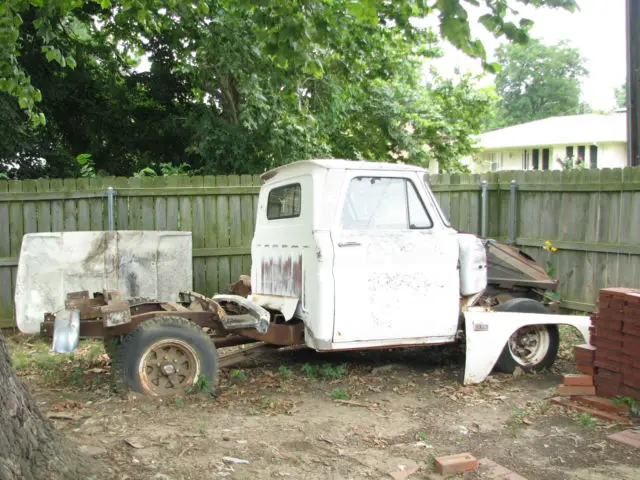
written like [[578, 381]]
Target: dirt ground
[[301, 414]]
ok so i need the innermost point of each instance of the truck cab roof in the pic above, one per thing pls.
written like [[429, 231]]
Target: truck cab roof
[[339, 164]]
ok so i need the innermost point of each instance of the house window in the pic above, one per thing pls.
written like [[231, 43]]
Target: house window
[[593, 156], [546, 153], [582, 150], [496, 161], [569, 152], [525, 159], [284, 202], [536, 159]]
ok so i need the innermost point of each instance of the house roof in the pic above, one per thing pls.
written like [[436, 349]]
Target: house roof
[[569, 130]]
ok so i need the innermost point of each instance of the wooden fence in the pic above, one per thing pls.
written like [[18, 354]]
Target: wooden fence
[[592, 216], [220, 211]]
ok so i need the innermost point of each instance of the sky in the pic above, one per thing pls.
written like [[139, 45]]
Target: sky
[[598, 30]]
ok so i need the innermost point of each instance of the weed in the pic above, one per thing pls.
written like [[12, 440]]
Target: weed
[[267, 403], [340, 393], [431, 461], [308, 370], [285, 371], [238, 374], [517, 419], [200, 428], [96, 381], [632, 402], [587, 420], [76, 377], [21, 361], [422, 436], [179, 402], [328, 371], [201, 385], [94, 352]]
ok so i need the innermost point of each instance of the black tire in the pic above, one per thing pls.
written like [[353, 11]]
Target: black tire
[[507, 362], [111, 345], [166, 356]]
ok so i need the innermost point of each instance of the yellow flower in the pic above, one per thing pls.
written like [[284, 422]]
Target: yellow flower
[[554, 249]]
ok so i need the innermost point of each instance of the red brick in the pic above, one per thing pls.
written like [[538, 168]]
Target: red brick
[[493, 471], [607, 364], [608, 389], [452, 464], [609, 416], [611, 322], [604, 404], [569, 391], [627, 391], [631, 378], [606, 344], [585, 354], [629, 437], [609, 334], [610, 354], [631, 346], [586, 369], [631, 329], [604, 375], [574, 380]]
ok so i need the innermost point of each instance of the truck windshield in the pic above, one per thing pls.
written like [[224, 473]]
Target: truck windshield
[[444, 218]]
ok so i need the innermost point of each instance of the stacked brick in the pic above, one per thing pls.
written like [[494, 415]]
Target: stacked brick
[[613, 356]]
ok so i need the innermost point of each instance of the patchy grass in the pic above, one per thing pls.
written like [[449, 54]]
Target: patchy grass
[[340, 393], [587, 420], [32, 356]]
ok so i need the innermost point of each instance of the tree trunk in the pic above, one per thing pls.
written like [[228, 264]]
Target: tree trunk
[[30, 448]]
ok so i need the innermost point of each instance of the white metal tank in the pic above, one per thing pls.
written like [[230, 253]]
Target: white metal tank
[[473, 264]]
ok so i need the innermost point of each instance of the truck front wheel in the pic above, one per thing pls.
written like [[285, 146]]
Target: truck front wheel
[[533, 347], [166, 356]]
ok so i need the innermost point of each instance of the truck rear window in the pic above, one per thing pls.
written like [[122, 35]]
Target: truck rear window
[[284, 202]]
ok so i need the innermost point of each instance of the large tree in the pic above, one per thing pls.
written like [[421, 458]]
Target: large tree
[[30, 448], [538, 81], [236, 86]]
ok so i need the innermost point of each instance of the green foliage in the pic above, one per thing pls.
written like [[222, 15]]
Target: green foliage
[[201, 385], [236, 86], [621, 96], [285, 371], [87, 168], [340, 393], [308, 370], [237, 374], [200, 428], [587, 420], [538, 81]]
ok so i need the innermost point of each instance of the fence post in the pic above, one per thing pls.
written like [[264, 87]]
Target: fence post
[[484, 214], [513, 219], [111, 192]]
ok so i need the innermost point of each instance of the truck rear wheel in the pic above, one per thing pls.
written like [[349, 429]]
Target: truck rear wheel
[[533, 347], [166, 356]]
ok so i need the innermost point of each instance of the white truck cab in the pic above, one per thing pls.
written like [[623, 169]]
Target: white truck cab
[[359, 251]]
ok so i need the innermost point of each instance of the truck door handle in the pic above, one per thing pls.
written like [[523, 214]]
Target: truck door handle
[[349, 244]]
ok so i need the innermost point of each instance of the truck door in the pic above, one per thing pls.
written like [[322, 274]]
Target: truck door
[[395, 265]]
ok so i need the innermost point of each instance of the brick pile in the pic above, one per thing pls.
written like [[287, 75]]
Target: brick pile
[[612, 359]]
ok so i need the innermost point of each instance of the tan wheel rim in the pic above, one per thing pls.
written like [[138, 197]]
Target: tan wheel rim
[[168, 367]]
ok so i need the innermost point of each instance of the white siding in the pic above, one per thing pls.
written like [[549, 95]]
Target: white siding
[[610, 155]]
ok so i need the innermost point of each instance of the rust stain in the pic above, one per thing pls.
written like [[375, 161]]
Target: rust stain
[[281, 276]]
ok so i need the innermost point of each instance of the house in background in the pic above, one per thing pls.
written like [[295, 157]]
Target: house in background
[[600, 140]]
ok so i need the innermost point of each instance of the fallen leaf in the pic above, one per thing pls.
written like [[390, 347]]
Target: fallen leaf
[[133, 442]]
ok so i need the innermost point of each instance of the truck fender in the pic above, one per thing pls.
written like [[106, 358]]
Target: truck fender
[[487, 333]]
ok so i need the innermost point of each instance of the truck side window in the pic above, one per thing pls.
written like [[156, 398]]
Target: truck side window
[[383, 203], [284, 202], [418, 216]]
